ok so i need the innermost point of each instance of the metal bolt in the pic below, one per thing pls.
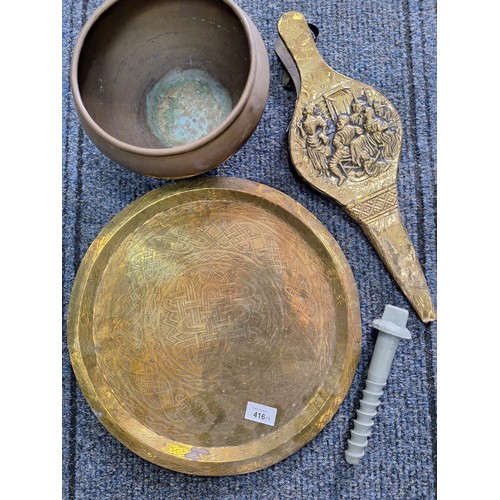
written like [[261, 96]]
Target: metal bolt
[[392, 328]]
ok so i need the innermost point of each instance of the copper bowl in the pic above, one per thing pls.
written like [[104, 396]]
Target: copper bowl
[[169, 88]]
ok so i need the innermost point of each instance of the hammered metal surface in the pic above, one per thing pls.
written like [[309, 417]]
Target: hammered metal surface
[[345, 140], [199, 298]]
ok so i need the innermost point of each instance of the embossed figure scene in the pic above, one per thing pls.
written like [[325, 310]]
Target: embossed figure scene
[[350, 138]]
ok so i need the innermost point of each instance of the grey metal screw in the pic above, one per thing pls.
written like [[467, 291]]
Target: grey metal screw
[[392, 328]]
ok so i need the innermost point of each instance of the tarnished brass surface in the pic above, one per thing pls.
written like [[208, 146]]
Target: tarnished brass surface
[[147, 78], [345, 140], [200, 297]]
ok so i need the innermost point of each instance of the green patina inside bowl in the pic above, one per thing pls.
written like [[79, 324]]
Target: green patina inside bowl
[[185, 105]]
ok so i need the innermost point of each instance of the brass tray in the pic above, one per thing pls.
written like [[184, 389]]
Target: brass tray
[[200, 298]]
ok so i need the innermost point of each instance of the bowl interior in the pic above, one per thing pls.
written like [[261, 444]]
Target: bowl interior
[[162, 73]]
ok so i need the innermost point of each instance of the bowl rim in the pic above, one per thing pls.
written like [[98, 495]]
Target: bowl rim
[[184, 148]]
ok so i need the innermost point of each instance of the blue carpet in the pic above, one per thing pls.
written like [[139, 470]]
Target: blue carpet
[[391, 45]]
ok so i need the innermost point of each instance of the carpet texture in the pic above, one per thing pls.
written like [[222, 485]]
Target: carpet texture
[[390, 45]]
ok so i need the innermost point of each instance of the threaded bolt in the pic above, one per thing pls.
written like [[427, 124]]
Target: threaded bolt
[[392, 328]]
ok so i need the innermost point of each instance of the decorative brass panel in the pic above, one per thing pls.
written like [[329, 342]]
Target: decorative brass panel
[[345, 140]]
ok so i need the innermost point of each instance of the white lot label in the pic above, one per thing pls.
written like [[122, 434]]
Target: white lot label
[[260, 413]]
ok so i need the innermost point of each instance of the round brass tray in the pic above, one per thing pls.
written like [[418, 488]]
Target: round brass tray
[[199, 298]]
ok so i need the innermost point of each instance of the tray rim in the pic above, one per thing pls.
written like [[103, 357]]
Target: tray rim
[[173, 459]]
